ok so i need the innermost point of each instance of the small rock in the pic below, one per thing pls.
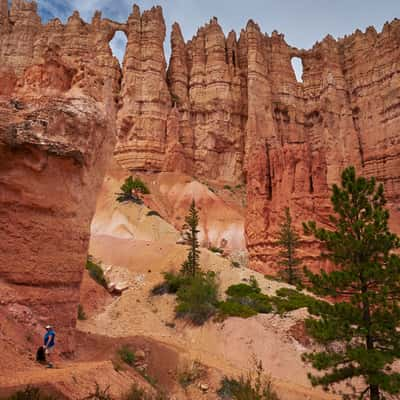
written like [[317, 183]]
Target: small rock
[[140, 355], [204, 387]]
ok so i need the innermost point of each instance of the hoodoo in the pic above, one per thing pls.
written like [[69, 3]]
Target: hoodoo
[[228, 109]]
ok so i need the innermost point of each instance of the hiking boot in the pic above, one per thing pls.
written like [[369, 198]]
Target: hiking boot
[[49, 365]]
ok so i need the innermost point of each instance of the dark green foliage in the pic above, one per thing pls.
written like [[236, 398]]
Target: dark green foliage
[[257, 387], [233, 308], [365, 322], [227, 187], [127, 355], [131, 189], [288, 240], [235, 264], [198, 298], [290, 299], [192, 264], [215, 249], [30, 393], [96, 272], [245, 301], [81, 313], [172, 282], [153, 213]]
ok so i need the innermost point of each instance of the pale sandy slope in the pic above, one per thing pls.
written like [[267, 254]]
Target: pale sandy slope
[[136, 249]]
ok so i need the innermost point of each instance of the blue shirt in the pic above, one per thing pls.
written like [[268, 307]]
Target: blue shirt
[[49, 338]]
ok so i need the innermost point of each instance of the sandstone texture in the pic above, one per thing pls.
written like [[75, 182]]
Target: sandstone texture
[[58, 92], [229, 110]]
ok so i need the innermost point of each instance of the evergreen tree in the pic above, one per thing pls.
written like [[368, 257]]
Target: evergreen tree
[[131, 191], [288, 239], [361, 331], [192, 264]]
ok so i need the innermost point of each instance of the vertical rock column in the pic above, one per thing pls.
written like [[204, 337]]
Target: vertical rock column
[[146, 101]]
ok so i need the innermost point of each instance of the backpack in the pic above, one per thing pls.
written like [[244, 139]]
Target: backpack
[[41, 355]]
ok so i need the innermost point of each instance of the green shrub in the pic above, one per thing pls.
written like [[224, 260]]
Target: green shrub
[[245, 301], [235, 309], [290, 299], [227, 187], [197, 298], [81, 313], [127, 355], [235, 264], [153, 213], [215, 249], [30, 393], [172, 282], [252, 387], [96, 272]]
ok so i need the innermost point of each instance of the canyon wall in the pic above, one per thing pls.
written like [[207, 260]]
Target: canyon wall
[[58, 90], [230, 110]]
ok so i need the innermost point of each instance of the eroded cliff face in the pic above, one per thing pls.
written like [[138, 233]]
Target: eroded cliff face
[[228, 109], [235, 113], [58, 89]]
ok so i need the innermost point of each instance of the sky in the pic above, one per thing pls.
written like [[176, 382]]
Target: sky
[[303, 22]]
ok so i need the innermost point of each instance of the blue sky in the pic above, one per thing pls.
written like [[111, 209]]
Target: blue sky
[[302, 21]]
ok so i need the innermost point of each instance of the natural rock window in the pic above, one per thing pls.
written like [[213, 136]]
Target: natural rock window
[[118, 45], [297, 65]]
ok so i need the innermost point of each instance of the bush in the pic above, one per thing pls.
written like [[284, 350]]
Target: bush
[[99, 393], [227, 187], [245, 301], [127, 355], [235, 309], [153, 213], [30, 393], [197, 298], [172, 282], [189, 374], [81, 313], [235, 264], [290, 299], [257, 387], [96, 272], [215, 249]]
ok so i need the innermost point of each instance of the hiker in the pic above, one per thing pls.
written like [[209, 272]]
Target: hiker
[[49, 343]]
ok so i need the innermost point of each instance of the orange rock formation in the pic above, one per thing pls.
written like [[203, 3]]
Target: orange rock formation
[[227, 110], [57, 132], [235, 113]]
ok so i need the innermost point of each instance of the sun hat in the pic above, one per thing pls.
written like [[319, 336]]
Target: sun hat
[[48, 326]]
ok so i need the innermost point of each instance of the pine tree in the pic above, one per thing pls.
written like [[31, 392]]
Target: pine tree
[[289, 240], [360, 332], [131, 190], [192, 264]]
